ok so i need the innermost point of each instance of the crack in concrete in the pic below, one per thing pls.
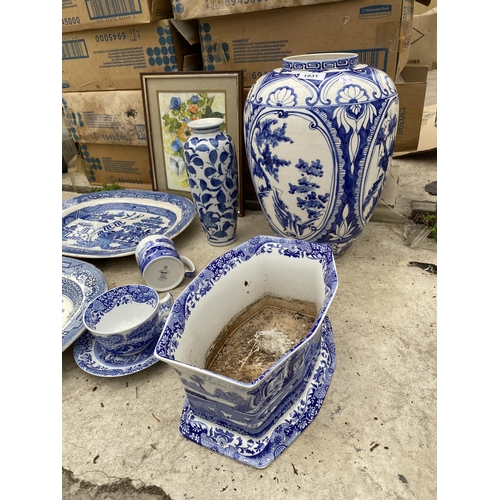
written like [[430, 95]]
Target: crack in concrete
[[123, 488]]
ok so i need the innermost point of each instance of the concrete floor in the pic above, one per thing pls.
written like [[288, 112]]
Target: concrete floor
[[375, 435]]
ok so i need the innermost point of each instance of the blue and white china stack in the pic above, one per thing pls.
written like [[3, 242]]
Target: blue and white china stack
[[126, 319], [122, 326], [213, 179], [81, 283], [319, 138]]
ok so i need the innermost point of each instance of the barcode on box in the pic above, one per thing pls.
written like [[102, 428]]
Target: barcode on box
[[374, 57], [74, 49], [103, 9], [140, 130]]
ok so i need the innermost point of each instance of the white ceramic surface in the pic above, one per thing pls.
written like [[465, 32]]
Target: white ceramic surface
[[261, 452], [161, 266], [262, 266], [319, 137], [125, 319]]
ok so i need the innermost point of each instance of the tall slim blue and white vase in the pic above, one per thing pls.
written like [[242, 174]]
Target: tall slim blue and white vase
[[213, 179]]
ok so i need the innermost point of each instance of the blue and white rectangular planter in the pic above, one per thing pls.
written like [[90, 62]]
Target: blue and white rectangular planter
[[252, 422]]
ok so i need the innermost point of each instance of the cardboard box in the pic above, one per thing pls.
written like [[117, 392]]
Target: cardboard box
[[423, 48], [428, 133], [422, 6], [127, 166], [257, 42], [81, 15], [107, 117], [411, 87], [195, 9], [114, 58]]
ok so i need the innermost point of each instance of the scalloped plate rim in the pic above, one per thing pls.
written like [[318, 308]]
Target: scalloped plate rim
[[84, 346], [76, 321]]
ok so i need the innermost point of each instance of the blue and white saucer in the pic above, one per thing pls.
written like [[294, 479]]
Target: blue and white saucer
[[93, 359], [260, 452]]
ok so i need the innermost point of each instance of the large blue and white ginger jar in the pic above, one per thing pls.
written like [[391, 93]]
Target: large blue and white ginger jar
[[213, 179], [319, 138]]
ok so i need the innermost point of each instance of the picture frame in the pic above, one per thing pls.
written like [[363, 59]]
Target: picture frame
[[170, 101]]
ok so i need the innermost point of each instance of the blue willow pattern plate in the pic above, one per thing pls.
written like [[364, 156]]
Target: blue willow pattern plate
[[111, 223], [81, 282], [260, 452], [94, 359]]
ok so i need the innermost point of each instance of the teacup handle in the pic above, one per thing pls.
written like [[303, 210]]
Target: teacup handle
[[191, 270], [165, 306]]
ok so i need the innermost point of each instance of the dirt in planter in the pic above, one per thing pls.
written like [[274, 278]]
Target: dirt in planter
[[259, 336]]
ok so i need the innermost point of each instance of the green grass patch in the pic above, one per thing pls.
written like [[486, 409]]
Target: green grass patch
[[106, 187]]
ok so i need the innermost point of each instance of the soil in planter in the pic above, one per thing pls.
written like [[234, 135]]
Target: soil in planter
[[259, 336]]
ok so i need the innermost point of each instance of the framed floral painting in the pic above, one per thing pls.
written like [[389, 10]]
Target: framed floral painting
[[171, 101]]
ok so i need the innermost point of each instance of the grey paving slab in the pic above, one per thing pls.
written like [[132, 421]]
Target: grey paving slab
[[375, 436]]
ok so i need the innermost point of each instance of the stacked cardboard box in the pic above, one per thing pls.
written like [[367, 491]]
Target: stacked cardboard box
[[105, 48], [252, 37], [82, 15], [424, 39], [258, 41], [198, 9]]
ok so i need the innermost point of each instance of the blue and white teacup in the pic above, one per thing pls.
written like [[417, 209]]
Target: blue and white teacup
[[162, 268], [126, 319]]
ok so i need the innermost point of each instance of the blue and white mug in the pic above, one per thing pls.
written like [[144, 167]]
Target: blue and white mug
[[162, 268], [126, 319]]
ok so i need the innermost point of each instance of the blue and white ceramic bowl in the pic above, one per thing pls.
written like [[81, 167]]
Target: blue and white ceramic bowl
[[125, 319], [264, 265]]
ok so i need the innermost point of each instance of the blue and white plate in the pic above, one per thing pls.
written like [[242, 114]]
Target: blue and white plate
[[111, 223], [93, 359], [260, 452], [81, 282]]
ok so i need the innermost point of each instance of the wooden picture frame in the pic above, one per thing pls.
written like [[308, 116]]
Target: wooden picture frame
[[170, 101]]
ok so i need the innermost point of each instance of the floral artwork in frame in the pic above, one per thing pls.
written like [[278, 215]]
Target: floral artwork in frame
[[176, 111], [171, 101]]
